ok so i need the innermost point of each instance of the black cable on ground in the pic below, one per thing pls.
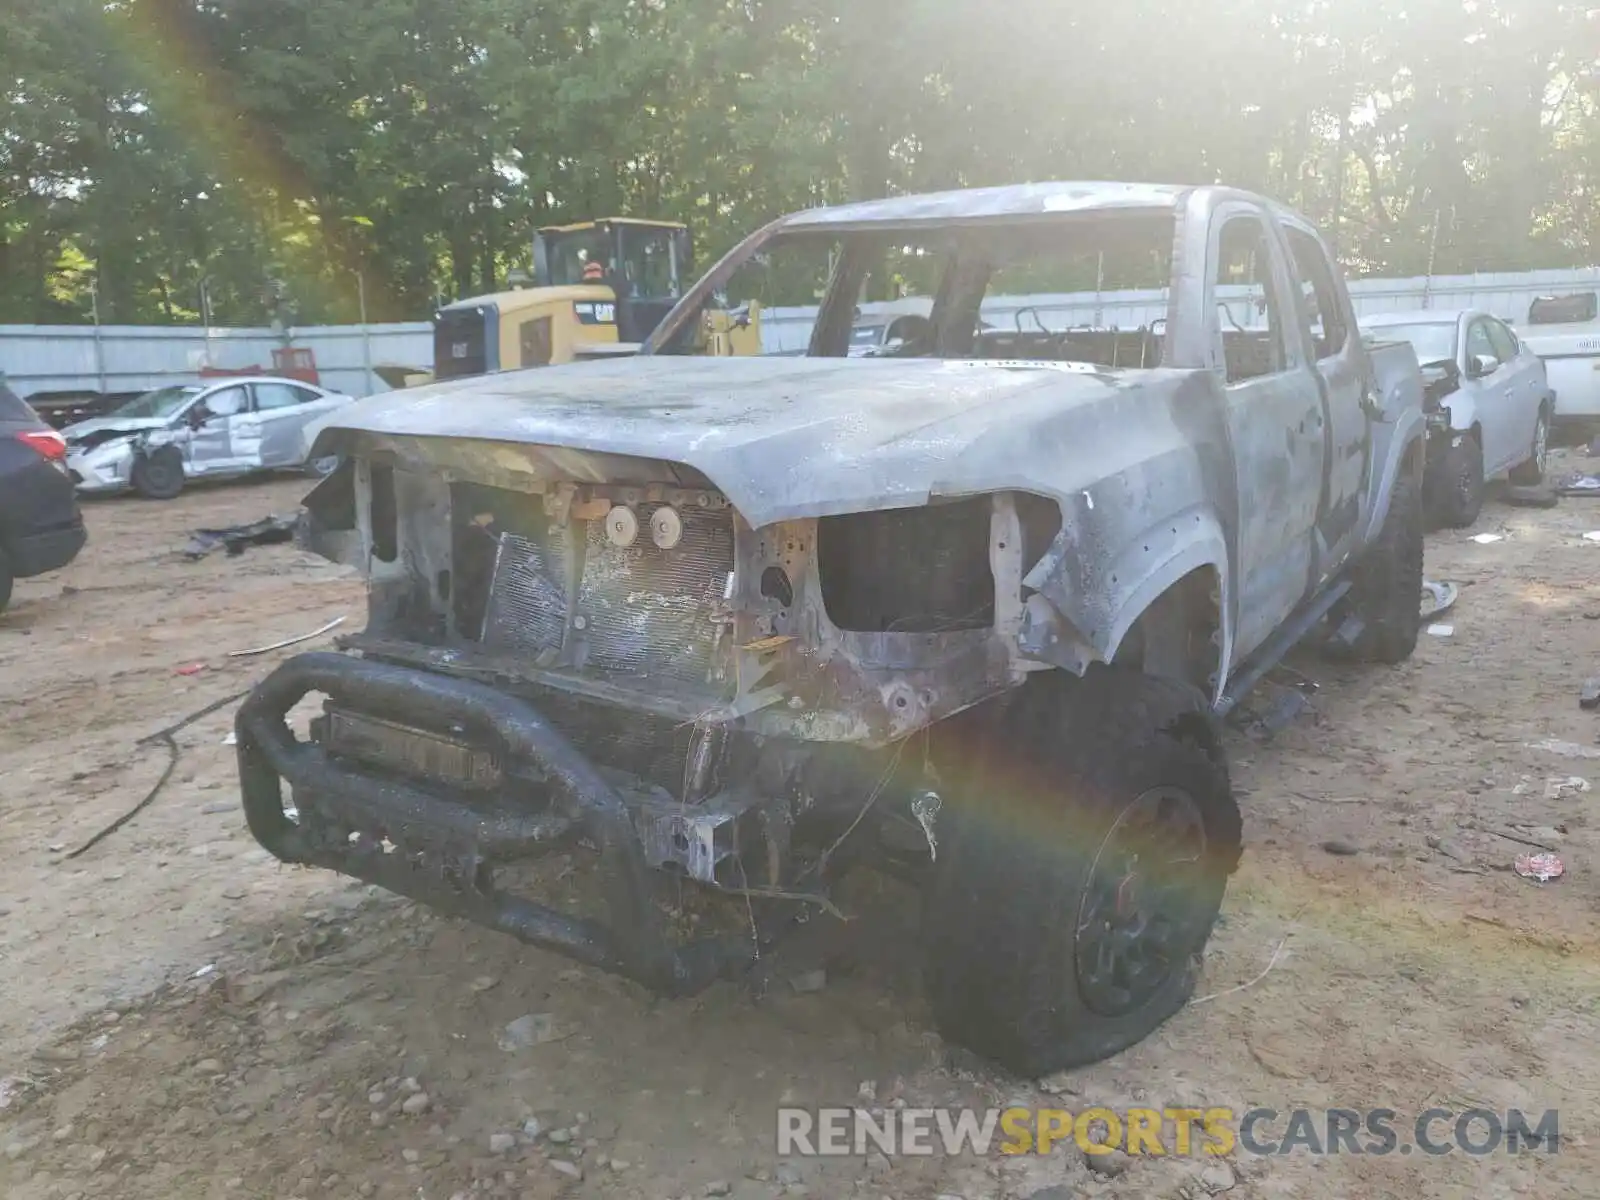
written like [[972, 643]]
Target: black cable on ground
[[167, 738]]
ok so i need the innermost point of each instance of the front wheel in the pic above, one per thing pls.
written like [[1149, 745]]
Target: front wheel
[[1085, 841], [159, 475], [1457, 485], [1532, 471]]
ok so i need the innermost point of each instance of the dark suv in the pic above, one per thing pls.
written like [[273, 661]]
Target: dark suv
[[40, 526]]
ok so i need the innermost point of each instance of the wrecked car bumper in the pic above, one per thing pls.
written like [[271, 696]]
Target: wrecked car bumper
[[471, 779], [104, 469]]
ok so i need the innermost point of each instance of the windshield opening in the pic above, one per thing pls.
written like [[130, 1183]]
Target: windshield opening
[[162, 402], [1434, 341], [1092, 289]]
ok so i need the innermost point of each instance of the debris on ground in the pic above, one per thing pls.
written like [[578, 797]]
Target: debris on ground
[[1340, 849], [1589, 693], [1484, 539], [1438, 598], [164, 737], [810, 981], [1441, 631], [1286, 708], [1558, 789], [1564, 749], [294, 641], [189, 669], [532, 1030], [1580, 485], [237, 538], [1542, 868]]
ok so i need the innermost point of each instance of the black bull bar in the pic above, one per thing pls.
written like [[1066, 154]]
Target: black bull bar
[[459, 841]]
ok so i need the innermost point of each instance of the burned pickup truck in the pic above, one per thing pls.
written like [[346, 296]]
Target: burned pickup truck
[[969, 609]]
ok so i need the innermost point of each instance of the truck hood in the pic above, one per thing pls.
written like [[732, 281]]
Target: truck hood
[[793, 438]]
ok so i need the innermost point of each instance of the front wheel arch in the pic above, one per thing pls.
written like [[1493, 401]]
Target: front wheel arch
[[1180, 635]]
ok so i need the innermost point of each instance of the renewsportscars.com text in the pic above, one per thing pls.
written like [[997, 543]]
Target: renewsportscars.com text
[[1181, 1132]]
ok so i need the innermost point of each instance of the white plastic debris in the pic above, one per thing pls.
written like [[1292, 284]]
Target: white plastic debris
[[1572, 785], [231, 740], [1484, 539], [1441, 631], [1565, 749], [208, 969], [532, 1030], [1592, 536]]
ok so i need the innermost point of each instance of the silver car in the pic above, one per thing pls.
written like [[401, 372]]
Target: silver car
[[1494, 404], [233, 426]]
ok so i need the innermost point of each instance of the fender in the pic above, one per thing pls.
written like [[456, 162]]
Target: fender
[[1463, 412], [1145, 568], [1408, 433]]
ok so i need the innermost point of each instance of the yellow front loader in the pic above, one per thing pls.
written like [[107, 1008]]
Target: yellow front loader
[[599, 289]]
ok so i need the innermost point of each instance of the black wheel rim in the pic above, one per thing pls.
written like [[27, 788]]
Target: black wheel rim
[[1143, 903]]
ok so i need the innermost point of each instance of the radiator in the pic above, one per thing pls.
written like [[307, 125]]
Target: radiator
[[641, 612]]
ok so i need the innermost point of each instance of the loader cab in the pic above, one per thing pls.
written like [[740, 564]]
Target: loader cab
[[645, 264], [598, 288]]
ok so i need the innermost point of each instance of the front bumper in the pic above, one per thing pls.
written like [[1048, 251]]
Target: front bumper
[[441, 849], [103, 469]]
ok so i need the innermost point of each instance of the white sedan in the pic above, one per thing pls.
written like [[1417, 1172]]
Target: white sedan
[[233, 426], [1495, 404]]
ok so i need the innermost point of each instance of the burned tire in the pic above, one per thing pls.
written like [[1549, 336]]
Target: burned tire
[[1388, 581], [1531, 472], [1456, 491], [159, 475], [1085, 840]]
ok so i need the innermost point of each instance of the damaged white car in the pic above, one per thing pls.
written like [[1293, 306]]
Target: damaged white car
[[157, 442]]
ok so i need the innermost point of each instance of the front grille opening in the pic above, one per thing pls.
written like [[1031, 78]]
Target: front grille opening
[[568, 596], [909, 570]]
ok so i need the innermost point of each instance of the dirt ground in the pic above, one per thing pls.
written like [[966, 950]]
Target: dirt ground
[[181, 1017]]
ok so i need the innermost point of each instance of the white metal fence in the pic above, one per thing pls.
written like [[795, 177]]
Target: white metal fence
[[132, 358], [126, 358]]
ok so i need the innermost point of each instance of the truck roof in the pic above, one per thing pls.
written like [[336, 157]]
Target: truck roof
[[996, 203]]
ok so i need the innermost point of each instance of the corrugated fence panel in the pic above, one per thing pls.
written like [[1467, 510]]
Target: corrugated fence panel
[[133, 358], [129, 358]]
